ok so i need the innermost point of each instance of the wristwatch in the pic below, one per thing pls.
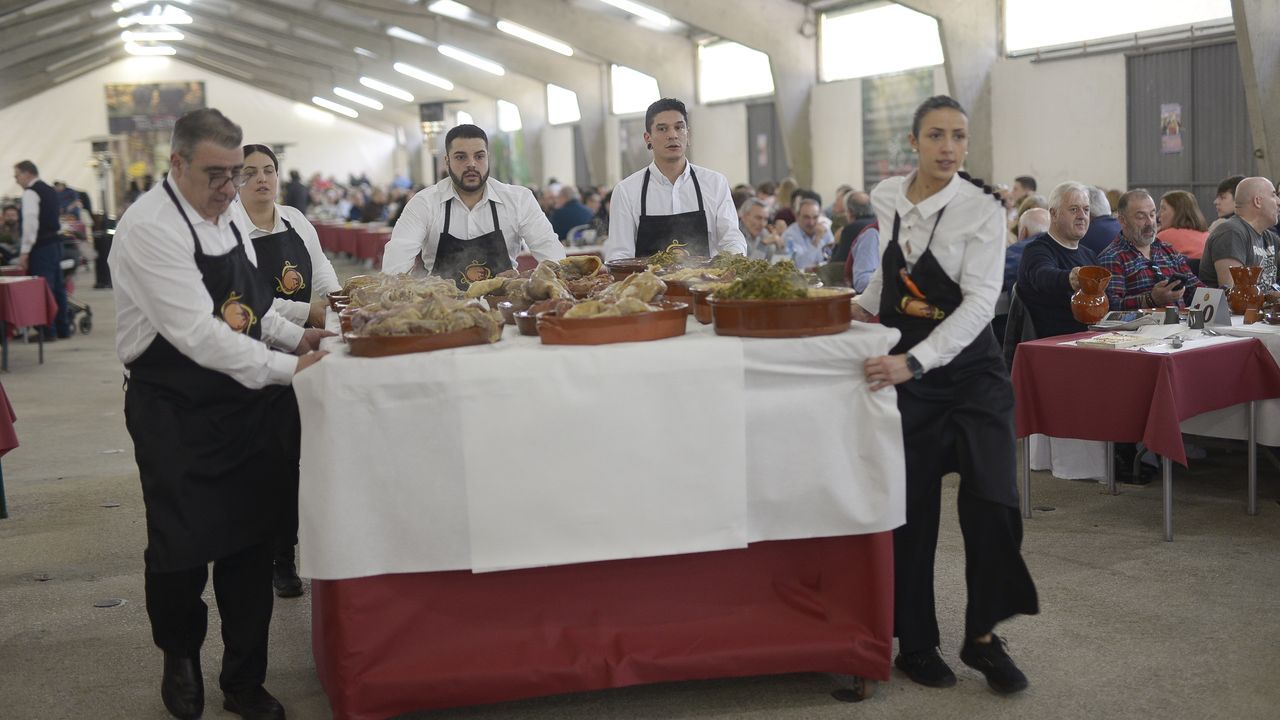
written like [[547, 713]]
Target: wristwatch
[[917, 370]]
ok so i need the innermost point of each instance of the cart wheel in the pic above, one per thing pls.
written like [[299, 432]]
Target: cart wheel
[[86, 324], [857, 690]]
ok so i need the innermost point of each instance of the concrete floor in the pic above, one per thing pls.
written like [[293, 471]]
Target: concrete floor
[[1130, 627]]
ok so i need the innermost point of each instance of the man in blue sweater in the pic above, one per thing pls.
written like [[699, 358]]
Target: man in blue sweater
[[1050, 269], [571, 212]]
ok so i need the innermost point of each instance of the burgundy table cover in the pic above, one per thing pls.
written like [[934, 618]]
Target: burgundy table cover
[[369, 243], [347, 240], [27, 302], [389, 644], [1128, 396], [8, 436], [328, 235]]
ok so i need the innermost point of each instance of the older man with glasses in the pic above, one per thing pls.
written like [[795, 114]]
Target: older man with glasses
[[197, 334], [1145, 272]]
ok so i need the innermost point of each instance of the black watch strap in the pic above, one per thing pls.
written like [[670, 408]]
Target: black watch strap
[[917, 370]]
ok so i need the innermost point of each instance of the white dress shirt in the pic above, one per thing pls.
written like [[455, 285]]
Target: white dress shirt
[[668, 198], [968, 245], [417, 232], [30, 218], [323, 279], [159, 289]]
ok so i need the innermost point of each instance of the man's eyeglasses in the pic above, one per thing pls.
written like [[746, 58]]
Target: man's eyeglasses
[[218, 176]]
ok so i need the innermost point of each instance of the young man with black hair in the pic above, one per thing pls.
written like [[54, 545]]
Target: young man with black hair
[[672, 200], [468, 226]]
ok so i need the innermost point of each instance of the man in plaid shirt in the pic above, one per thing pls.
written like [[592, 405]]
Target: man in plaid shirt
[[1145, 272]]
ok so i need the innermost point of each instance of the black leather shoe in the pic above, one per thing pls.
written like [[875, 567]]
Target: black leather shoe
[[994, 662], [253, 704], [284, 578], [927, 668], [182, 687]]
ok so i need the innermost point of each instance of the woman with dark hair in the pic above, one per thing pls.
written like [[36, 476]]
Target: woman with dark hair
[[1182, 225], [939, 276], [600, 223], [299, 274]]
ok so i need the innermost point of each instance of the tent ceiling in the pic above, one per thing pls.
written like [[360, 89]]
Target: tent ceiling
[[294, 48]]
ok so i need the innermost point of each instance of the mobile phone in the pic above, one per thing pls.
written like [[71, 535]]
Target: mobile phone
[[1178, 280]]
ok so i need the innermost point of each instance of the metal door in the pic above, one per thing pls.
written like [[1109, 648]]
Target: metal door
[[1188, 126], [764, 145]]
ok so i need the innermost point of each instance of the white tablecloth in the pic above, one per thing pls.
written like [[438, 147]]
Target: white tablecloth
[[520, 454]]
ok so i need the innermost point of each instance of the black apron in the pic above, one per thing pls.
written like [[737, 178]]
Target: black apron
[[284, 261], [656, 232], [205, 450], [968, 401], [468, 261]]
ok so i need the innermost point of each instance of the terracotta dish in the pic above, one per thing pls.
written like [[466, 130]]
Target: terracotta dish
[[701, 308], [626, 266], [678, 291], [527, 323], [668, 322], [827, 314], [383, 345], [508, 312], [1089, 305]]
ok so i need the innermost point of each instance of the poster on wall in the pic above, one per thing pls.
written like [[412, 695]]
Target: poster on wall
[[150, 106], [144, 115], [1170, 128], [888, 104], [507, 158]]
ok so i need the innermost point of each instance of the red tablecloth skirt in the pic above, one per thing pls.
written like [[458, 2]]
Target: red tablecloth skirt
[[26, 302], [1127, 396], [390, 644], [8, 436], [369, 243], [328, 235], [346, 237]]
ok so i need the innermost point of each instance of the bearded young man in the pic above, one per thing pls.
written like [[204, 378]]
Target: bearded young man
[[469, 227]]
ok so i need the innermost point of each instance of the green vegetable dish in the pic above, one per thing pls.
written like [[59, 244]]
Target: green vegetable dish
[[776, 282]]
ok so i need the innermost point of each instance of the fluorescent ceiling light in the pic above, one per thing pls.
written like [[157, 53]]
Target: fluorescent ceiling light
[[346, 94], [151, 35], [535, 37], [396, 31], [136, 49], [508, 117], [335, 107], [365, 53], [471, 59], [122, 5], [643, 12], [423, 75], [310, 113], [449, 8], [387, 89]]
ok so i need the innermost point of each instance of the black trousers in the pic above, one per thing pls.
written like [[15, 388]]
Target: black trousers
[[998, 583], [242, 585], [959, 418]]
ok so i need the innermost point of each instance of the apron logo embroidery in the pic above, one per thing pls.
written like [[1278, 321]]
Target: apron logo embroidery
[[916, 304], [475, 272], [238, 316], [290, 280]]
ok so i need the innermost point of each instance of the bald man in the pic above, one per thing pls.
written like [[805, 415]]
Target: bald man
[[1032, 223], [1246, 238]]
